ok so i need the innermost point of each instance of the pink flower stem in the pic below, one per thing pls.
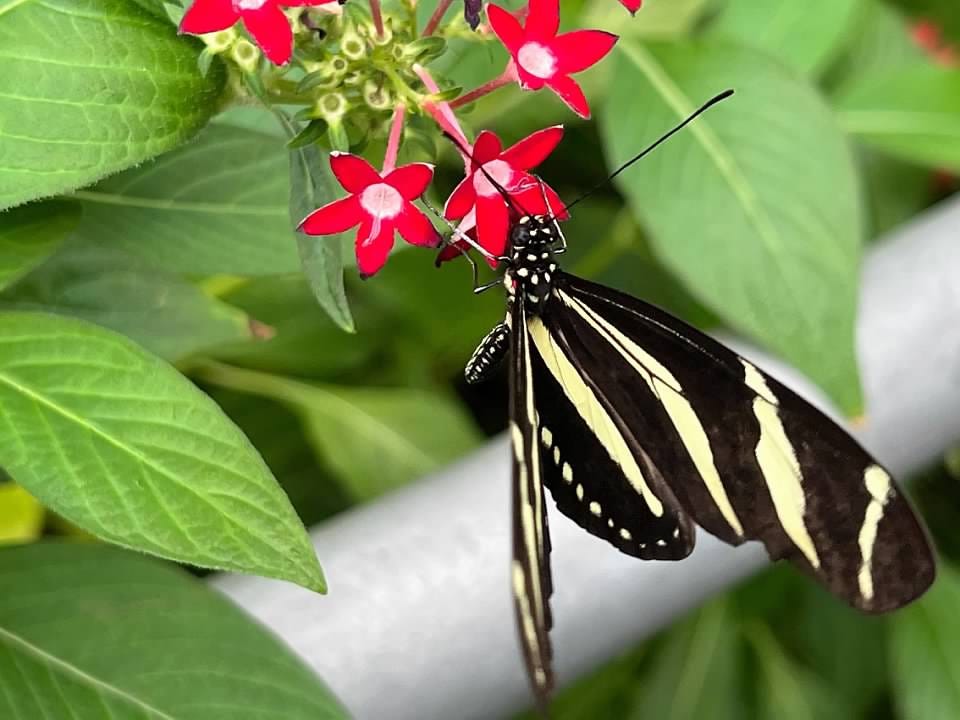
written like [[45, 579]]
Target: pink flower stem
[[377, 17], [437, 16], [393, 142], [442, 114], [508, 76]]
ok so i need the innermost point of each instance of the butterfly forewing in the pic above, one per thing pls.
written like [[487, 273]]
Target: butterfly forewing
[[746, 457], [530, 571]]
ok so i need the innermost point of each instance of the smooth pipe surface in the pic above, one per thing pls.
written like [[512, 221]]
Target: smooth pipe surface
[[419, 624]]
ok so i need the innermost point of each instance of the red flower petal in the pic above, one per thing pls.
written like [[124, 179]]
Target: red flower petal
[[461, 199], [451, 251], [541, 199], [578, 50], [568, 91], [632, 5], [493, 223], [411, 180], [416, 228], [506, 27], [374, 242], [543, 19], [271, 29], [206, 16], [334, 217], [353, 172], [533, 149], [487, 147]]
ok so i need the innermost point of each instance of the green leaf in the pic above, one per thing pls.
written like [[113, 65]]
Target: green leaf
[[924, 640], [806, 36], [286, 304], [217, 205], [698, 672], [881, 43], [786, 690], [845, 648], [375, 439], [29, 235], [913, 114], [756, 206], [92, 632], [312, 185], [21, 516], [90, 87], [656, 19], [895, 190], [166, 314], [119, 443]]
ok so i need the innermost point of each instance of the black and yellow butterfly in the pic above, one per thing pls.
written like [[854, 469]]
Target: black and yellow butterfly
[[642, 427]]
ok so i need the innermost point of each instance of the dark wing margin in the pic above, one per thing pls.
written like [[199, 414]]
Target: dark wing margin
[[597, 471], [530, 570], [745, 456]]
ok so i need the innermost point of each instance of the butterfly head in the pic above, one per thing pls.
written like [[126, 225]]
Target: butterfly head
[[533, 242]]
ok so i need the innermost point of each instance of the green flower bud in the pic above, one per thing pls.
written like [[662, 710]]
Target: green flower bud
[[352, 45], [246, 55], [376, 96], [219, 42], [332, 107], [338, 65]]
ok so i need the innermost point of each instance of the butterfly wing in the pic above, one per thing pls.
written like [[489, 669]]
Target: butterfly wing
[[530, 570], [746, 457]]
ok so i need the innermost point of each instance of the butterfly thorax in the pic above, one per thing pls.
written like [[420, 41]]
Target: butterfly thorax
[[532, 266]]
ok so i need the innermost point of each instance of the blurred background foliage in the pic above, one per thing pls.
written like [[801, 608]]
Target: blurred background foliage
[[872, 86]]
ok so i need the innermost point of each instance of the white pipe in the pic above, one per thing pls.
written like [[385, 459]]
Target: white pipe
[[418, 624]]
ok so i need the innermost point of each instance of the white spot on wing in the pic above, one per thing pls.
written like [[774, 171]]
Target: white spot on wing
[[567, 472], [595, 508], [546, 436], [625, 534]]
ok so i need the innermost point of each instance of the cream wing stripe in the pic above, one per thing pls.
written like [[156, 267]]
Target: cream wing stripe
[[592, 412], [666, 387], [878, 484], [781, 473]]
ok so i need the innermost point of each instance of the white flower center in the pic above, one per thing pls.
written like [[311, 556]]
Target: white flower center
[[249, 4], [381, 201], [502, 175], [537, 60]]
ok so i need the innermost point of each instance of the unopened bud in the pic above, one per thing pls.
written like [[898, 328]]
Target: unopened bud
[[246, 55], [331, 107], [218, 42], [376, 96], [352, 45]]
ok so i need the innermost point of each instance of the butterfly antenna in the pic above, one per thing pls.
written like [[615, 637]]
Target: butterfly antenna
[[702, 109], [460, 235], [506, 195]]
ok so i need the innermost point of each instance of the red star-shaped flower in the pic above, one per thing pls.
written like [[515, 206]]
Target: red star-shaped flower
[[632, 5], [480, 203], [542, 57], [380, 204], [263, 19]]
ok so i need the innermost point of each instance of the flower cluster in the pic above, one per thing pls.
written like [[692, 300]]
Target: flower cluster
[[359, 73]]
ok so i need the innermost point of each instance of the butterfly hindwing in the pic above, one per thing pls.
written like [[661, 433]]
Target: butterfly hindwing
[[746, 457], [597, 471]]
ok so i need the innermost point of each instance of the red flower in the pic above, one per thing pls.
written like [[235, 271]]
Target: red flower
[[263, 19], [542, 57], [380, 204], [632, 5], [479, 202]]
